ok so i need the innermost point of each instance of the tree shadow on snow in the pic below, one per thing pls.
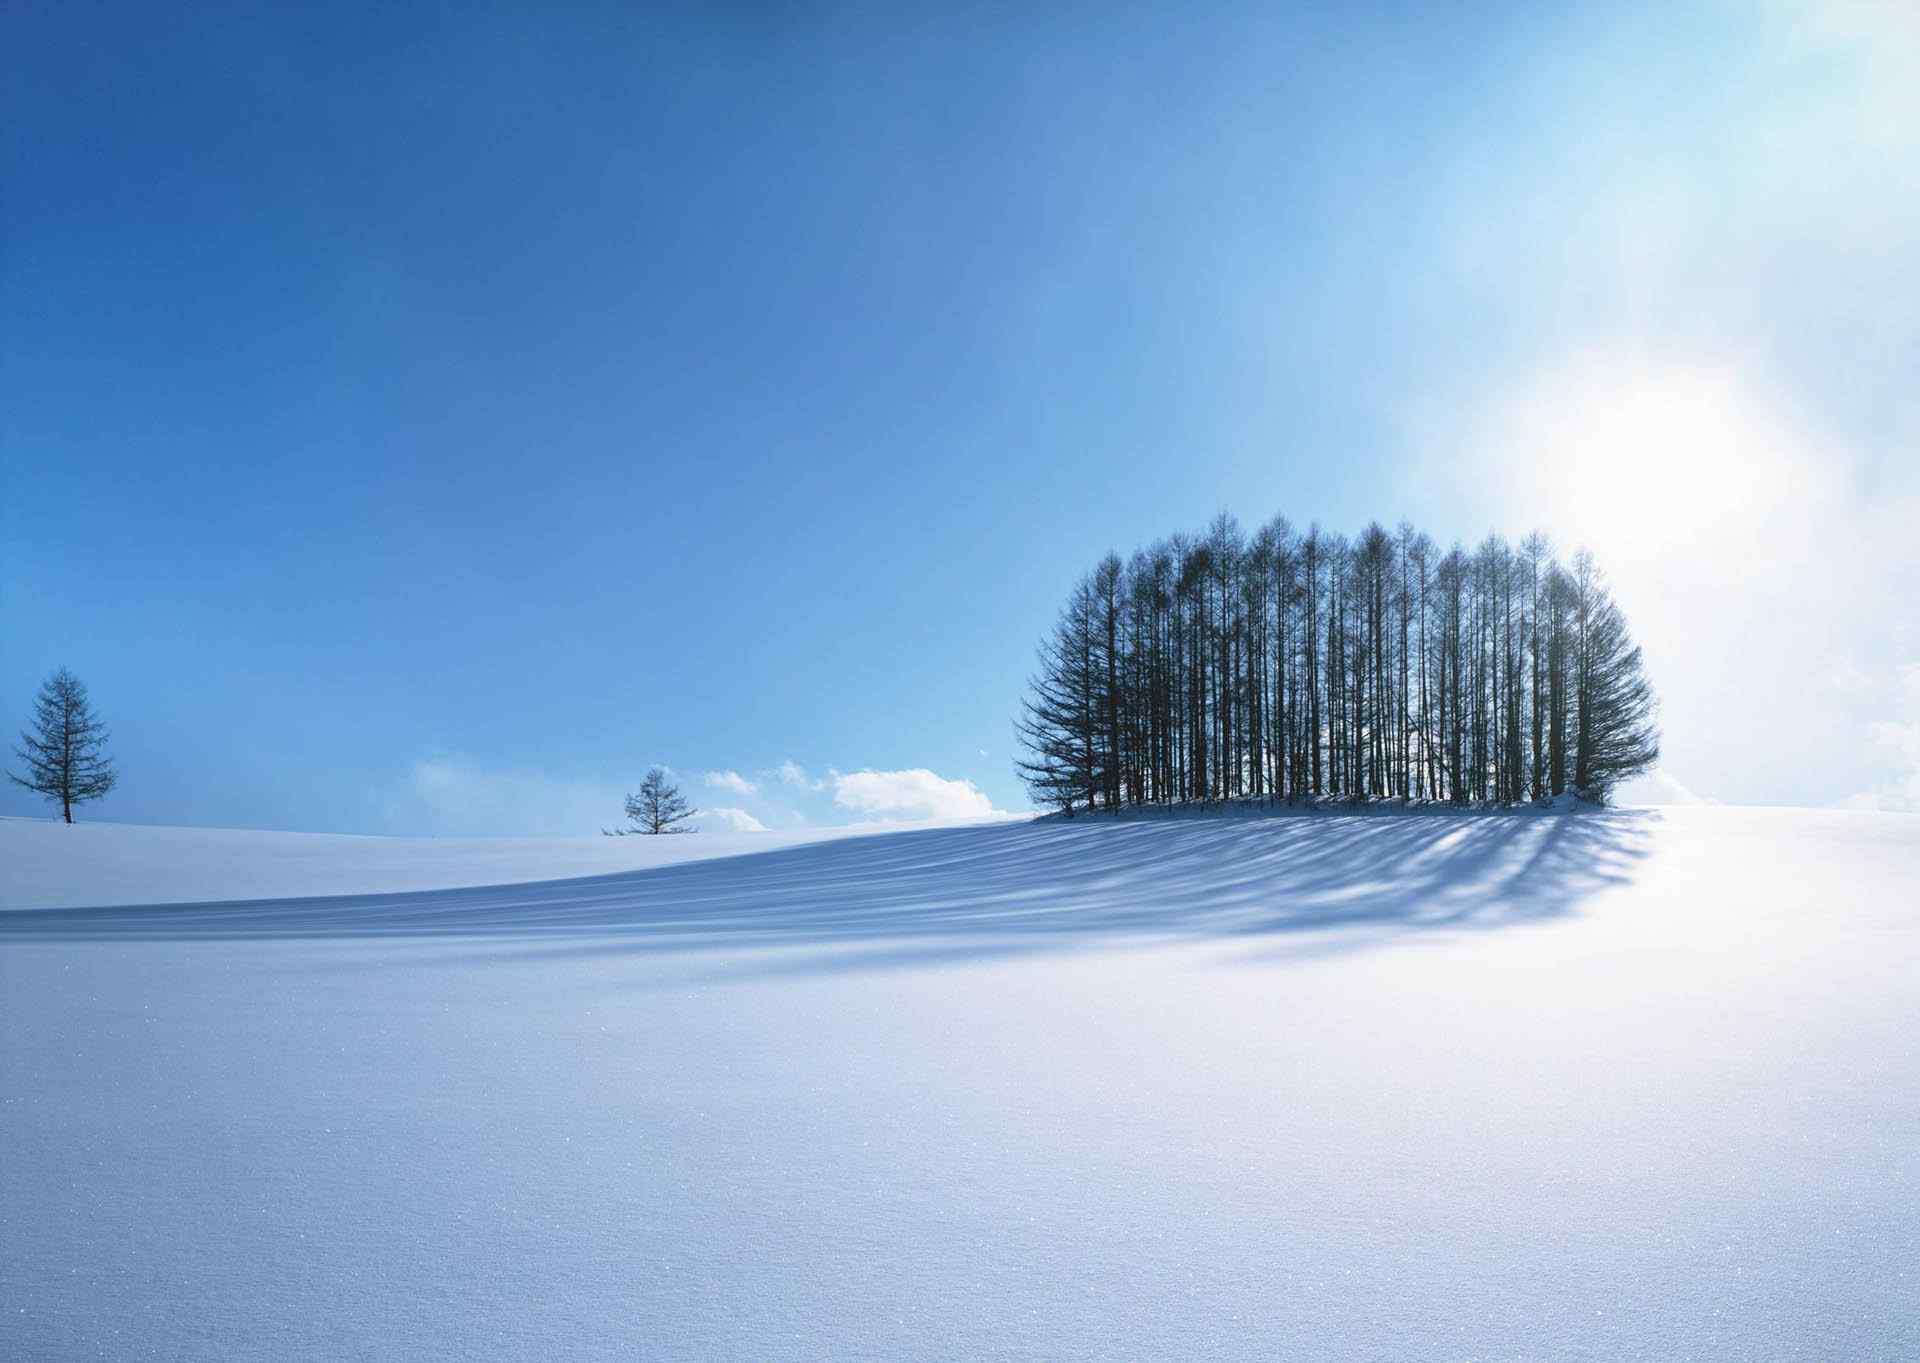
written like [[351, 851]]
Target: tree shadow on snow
[[936, 895]]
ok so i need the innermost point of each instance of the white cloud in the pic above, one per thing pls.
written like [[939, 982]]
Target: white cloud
[[736, 820], [914, 793], [793, 774], [453, 795], [731, 780], [1897, 743]]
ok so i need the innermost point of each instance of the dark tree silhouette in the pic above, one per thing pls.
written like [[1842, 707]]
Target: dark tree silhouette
[[1292, 665], [1614, 737], [1058, 724], [65, 749], [658, 808]]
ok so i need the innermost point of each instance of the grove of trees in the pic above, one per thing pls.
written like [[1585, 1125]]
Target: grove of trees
[[1292, 665], [65, 750]]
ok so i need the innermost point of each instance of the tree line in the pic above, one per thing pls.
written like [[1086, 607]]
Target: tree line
[[1294, 665]]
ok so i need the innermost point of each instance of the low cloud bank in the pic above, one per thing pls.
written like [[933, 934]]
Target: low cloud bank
[[914, 793], [455, 795], [731, 780], [1896, 742], [730, 819]]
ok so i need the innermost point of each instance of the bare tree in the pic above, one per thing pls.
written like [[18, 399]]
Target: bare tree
[[658, 808], [1614, 735], [1059, 721], [65, 749]]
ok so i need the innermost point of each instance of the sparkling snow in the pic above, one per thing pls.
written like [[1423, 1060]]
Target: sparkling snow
[[1640, 1085]]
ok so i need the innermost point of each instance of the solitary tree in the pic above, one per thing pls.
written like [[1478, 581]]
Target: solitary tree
[[658, 808], [64, 751]]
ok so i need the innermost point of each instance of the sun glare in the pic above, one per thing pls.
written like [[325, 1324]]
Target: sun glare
[[1639, 465]]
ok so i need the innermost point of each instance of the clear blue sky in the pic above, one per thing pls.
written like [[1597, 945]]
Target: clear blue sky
[[423, 421]]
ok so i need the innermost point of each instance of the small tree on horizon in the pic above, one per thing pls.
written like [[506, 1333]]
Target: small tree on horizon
[[658, 808], [64, 751]]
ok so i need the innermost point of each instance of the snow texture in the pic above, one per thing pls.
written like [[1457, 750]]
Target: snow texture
[[1634, 1085], [47, 864]]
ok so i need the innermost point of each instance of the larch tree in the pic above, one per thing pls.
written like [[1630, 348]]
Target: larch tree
[[1059, 718], [1284, 666], [657, 808], [65, 750], [1614, 733]]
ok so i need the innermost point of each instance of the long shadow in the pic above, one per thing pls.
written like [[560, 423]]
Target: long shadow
[[977, 890]]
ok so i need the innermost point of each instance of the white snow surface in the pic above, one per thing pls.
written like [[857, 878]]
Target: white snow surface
[[1634, 1085], [47, 864]]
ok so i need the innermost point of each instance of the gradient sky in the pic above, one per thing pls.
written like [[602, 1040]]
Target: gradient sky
[[423, 421]]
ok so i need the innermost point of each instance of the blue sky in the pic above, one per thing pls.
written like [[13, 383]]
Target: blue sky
[[422, 422]]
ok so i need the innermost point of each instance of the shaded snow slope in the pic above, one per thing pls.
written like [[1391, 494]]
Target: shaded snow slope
[[1634, 1085], [47, 864]]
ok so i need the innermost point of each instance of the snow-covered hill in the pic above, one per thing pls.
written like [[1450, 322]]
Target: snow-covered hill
[[1632, 1085], [47, 864]]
